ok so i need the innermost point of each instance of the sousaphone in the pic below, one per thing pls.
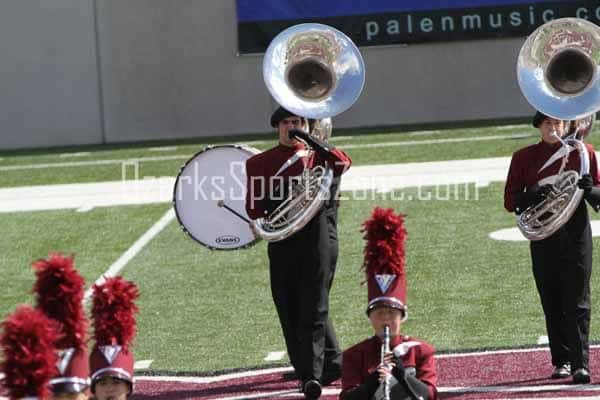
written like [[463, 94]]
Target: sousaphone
[[558, 73], [316, 72]]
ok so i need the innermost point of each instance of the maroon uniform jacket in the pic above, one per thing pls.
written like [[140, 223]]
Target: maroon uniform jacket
[[283, 161], [363, 359], [524, 171]]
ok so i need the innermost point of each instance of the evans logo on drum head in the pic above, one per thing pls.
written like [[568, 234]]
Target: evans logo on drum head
[[227, 240]]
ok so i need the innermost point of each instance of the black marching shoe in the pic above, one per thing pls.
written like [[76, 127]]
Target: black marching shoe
[[311, 389], [581, 375], [561, 371]]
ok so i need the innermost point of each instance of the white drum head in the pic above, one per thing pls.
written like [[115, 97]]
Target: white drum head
[[216, 175]]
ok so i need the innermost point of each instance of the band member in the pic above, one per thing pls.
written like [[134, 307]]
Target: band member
[[407, 371], [59, 291], [302, 266], [562, 262], [28, 353], [111, 360]]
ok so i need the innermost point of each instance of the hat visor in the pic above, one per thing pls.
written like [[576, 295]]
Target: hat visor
[[391, 302], [122, 376], [113, 372], [77, 386]]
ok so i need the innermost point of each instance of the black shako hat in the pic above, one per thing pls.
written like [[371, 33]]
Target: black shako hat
[[279, 115], [538, 118]]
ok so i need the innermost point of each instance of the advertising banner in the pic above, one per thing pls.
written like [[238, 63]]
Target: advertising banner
[[386, 22]]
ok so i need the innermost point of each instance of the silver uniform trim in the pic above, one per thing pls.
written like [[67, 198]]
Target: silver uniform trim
[[65, 358], [404, 347], [558, 154], [290, 161], [70, 379]]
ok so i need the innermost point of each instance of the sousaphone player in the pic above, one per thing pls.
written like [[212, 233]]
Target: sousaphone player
[[547, 183], [302, 258]]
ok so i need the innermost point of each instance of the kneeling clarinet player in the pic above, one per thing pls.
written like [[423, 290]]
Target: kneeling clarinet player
[[388, 365]]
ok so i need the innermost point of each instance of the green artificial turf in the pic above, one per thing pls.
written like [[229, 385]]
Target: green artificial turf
[[204, 310]]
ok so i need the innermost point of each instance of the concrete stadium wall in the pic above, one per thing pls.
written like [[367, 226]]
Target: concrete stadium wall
[[48, 74], [169, 69]]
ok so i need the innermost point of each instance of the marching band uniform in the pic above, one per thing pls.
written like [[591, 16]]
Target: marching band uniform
[[302, 266], [360, 379], [29, 355], [113, 311], [414, 373], [59, 291], [562, 262]]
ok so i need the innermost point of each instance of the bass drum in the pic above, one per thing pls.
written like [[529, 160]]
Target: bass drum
[[209, 190]]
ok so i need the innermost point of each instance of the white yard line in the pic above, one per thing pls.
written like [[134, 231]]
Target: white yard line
[[516, 389], [445, 176], [436, 141], [419, 133], [551, 398], [515, 235], [338, 138], [358, 180], [398, 176], [118, 265], [275, 356], [494, 352], [85, 196], [92, 163], [142, 364], [511, 127], [165, 148], [74, 155], [213, 379], [269, 395]]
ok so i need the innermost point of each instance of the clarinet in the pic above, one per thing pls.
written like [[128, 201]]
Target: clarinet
[[385, 348]]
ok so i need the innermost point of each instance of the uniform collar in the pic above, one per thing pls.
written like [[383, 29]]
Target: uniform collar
[[549, 146], [293, 149]]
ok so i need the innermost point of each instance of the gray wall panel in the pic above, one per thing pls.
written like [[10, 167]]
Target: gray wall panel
[[170, 70], [222, 93], [48, 74], [439, 82], [136, 68]]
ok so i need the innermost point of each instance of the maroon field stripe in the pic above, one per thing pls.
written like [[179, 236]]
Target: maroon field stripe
[[491, 375]]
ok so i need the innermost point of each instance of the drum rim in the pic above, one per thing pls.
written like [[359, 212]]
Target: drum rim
[[174, 198]]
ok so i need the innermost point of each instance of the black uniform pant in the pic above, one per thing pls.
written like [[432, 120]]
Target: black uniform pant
[[562, 266], [302, 268]]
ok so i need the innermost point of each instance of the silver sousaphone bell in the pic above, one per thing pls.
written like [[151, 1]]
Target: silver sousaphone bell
[[558, 73], [316, 72]]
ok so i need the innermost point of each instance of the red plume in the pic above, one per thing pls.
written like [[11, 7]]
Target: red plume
[[114, 309], [385, 236], [29, 355], [59, 295]]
